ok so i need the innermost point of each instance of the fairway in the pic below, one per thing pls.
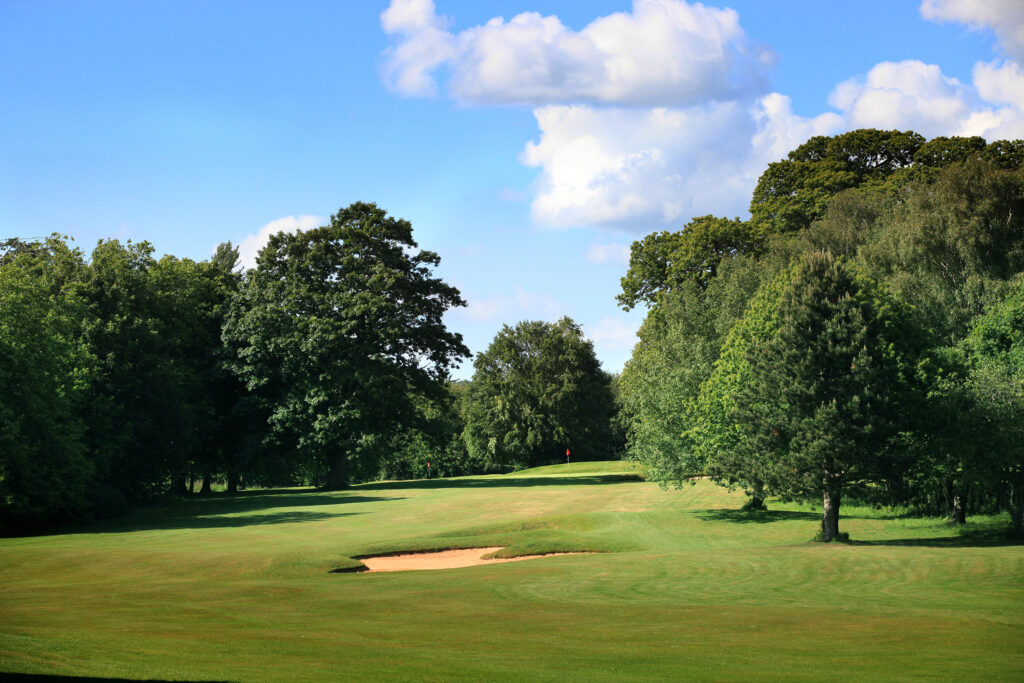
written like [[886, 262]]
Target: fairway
[[675, 584]]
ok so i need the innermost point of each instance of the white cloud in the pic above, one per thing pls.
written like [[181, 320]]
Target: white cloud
[[608, 253], [912, 95], [907, 95], [425, 43], [651, 117], [522, 305], [664, 52], [613, 335], [251, 244], [638, 168], [1005, 17]]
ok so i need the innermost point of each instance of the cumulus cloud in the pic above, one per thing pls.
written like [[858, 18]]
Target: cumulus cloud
[[608, 253], [664, 52], [424, 43], [1005, 17], [251, 244], [909, 94], [613, 334], [522, 305], [650, 117], [912, 95], [638, 168]]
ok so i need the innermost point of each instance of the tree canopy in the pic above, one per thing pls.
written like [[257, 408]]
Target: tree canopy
[[538, 390], [337, 329], [664, 261]]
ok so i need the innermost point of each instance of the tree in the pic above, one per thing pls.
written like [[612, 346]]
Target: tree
[[438, 450], [995, 349], [537, 390], [337, 330], [135, 401], [44, 371], [714, 431], [793, 193], [662, 262], [949, 247], [679, 342], [825, 396]]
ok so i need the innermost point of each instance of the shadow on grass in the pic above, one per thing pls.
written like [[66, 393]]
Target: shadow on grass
[[85, 679], [149, 522], [499, 482], [260, 500], [226, 511], [756, 516], [971, 538]]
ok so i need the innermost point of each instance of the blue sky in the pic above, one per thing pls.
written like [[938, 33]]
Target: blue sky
[[529, 151]]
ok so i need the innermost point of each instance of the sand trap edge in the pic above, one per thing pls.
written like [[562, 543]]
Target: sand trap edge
[[450, 558]]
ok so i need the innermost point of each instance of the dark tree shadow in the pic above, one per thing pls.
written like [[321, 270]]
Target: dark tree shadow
[[168, 522], [976, 538], [756, 516], [260, 500], [34, 678], [499, 482], [224, 511]]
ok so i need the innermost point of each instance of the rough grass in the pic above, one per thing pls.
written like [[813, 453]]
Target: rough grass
[[686, 586]]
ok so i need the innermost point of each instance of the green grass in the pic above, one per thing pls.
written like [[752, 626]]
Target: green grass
[[685, 586]]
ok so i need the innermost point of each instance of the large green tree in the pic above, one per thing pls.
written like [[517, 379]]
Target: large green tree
[[950, 245], [678, 344], [829, 392], [45, 370], [538, 390], [338, 329], [995, 348], [665, 261], [793, 193]]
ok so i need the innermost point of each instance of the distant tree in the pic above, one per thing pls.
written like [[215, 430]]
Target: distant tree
[[45, 469], [537, 390], [828, 393], [942, 151], [995, 349], [794, 192], [136, 402], [1006, 154], [436, 450], [678, 344], [338, 330], [714, 431], [664, 261], [950, 245]]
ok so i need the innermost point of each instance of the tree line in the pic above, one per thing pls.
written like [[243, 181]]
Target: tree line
[[127, 377], [860, 335]]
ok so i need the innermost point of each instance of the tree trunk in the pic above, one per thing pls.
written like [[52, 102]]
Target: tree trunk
[[232, 482], [830, 515], [178, 485], [756, 501], [207, 483], [958, 513], [1017, 508], [337, 474]]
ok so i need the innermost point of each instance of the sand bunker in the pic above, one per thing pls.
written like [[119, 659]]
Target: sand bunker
[[445, 559]]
